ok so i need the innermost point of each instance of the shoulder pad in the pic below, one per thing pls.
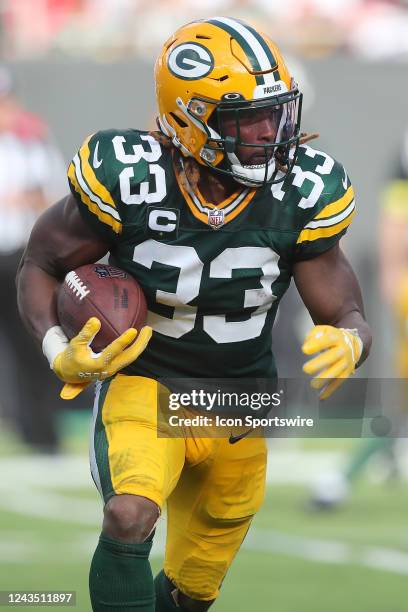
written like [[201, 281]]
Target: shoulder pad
[[327, 205], [97, 171], [316, 181], [109, 150]]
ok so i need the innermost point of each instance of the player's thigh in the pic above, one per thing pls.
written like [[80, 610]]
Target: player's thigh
[[126, 454], [209, 513]]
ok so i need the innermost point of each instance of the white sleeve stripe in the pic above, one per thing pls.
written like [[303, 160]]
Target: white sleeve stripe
[[333, 220], [92, 196]]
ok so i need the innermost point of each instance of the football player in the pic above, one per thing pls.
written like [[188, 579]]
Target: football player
[[213, 214]]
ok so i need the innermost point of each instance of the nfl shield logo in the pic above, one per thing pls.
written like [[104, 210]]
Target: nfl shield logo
[[215, 218]]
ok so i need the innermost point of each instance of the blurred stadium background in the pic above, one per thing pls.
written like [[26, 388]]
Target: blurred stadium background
[[83, 65]]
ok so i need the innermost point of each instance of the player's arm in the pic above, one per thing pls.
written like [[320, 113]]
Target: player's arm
[[62, 241], [341, 336]]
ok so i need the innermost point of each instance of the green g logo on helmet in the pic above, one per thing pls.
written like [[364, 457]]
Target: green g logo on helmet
[[190, 61]]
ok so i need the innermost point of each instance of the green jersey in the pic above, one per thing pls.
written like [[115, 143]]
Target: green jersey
[[213, 276]]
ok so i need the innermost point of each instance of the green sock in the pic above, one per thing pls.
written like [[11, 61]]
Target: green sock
[[364, 450], [164, 600], [121, 578]]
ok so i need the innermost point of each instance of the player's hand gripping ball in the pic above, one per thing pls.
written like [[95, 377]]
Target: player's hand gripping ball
[[100, 309], [340, 351]]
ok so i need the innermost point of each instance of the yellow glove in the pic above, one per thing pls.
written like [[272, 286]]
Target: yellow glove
[[340, 350], [77, 365]]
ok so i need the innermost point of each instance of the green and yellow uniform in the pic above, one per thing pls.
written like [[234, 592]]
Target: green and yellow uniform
[[212, 293], [213, 277]]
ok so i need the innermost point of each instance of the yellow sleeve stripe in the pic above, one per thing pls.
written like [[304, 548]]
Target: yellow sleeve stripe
[[338, 206], [395, 199], [328, 222], [89, 175], [308, 235], [95, 198], [87, 196]]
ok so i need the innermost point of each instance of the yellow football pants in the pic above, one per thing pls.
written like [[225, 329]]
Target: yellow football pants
[[212, 488]]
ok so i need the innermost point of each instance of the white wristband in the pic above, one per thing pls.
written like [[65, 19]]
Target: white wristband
[[360, 343], [54, 342]]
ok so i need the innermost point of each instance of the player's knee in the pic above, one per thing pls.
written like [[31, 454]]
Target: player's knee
[[130, 518], [193, 605]]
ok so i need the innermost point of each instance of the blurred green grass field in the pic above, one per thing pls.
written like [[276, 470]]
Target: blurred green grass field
[[354, 559]]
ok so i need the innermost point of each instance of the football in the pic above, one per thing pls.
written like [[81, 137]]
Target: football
[[103, 291]]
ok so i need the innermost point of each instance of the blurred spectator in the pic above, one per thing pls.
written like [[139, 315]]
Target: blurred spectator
[[31, 177], [378, 30], [372, 29], [31, 25], [393, 243]]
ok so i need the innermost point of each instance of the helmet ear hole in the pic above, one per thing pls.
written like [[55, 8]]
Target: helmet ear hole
[[178, 120]]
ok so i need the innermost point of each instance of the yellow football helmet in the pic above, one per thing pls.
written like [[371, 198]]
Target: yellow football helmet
[[222, 65]]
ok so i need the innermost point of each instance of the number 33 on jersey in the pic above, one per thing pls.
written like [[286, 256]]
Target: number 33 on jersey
[[213, 276]]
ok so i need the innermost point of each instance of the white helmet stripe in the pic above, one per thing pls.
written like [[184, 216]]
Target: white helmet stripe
[[250, 39]]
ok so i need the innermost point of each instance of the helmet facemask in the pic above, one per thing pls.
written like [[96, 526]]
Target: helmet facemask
[[261, 163]]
